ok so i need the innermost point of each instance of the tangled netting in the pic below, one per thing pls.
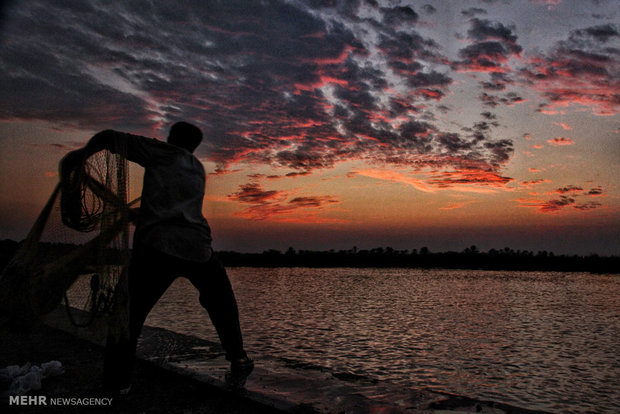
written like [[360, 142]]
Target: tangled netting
[[77, 248], [83, 186], [93, 199]]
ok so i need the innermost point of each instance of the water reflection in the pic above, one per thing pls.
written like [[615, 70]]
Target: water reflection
[[540, 340]]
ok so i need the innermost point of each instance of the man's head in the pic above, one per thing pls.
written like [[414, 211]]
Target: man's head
[[185, 135]]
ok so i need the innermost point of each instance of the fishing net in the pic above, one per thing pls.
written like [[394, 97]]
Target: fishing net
[[93, 199], [77, 252]]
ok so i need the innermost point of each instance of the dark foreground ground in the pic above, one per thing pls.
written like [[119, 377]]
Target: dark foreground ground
[[154, 390]]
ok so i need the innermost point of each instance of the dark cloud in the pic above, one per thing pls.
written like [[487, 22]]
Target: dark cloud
[[429, 9], [569, 189], [564, 201], [407, 54], [304, 158], [429, 79], [557, 204], [41, 79], [510, 98], [570, 196], [473, 11], [253, 193], [415, 129], [534, 182], [493, 44], [583, 69], [268, 82], [488, 115], [399, 15], [588, 206], [497, 82], [314, 201], [597, 33], [482, 30], [483, 57], [501, 151], [597, 191], [273, 204], [454, 143], [443, 109], [406, 46]]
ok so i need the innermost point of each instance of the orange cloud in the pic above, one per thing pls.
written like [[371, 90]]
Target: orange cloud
[[285, 213], [396, 177], [466, 180], [455, 206], [561, 141], [468, 177], [272, 205], [570, 197]]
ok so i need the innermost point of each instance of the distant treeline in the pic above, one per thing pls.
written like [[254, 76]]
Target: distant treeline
[[470, 258]]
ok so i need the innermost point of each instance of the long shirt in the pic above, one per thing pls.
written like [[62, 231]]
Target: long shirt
[[170, 219]]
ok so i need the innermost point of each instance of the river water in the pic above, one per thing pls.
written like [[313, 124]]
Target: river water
[[546, 341]]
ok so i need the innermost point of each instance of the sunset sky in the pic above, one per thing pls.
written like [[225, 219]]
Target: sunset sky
[[333, 124]]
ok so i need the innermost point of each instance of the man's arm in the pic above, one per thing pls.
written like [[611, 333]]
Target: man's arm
[[136, 148], [100, 141], [107, 139]]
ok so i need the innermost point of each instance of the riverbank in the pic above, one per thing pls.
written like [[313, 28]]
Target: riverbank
[[155, 390]]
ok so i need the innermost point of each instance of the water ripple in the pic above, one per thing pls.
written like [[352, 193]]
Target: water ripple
[[545, 341]]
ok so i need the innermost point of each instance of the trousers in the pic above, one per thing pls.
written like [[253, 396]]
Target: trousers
[[151, 273]]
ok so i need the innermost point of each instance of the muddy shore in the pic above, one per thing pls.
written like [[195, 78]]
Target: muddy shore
[[155, 390]]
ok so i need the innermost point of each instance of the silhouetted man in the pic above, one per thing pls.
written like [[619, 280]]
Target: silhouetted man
[[172, 238]]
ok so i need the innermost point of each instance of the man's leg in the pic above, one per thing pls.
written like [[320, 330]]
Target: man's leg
[[217, 297], [150, 276]]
